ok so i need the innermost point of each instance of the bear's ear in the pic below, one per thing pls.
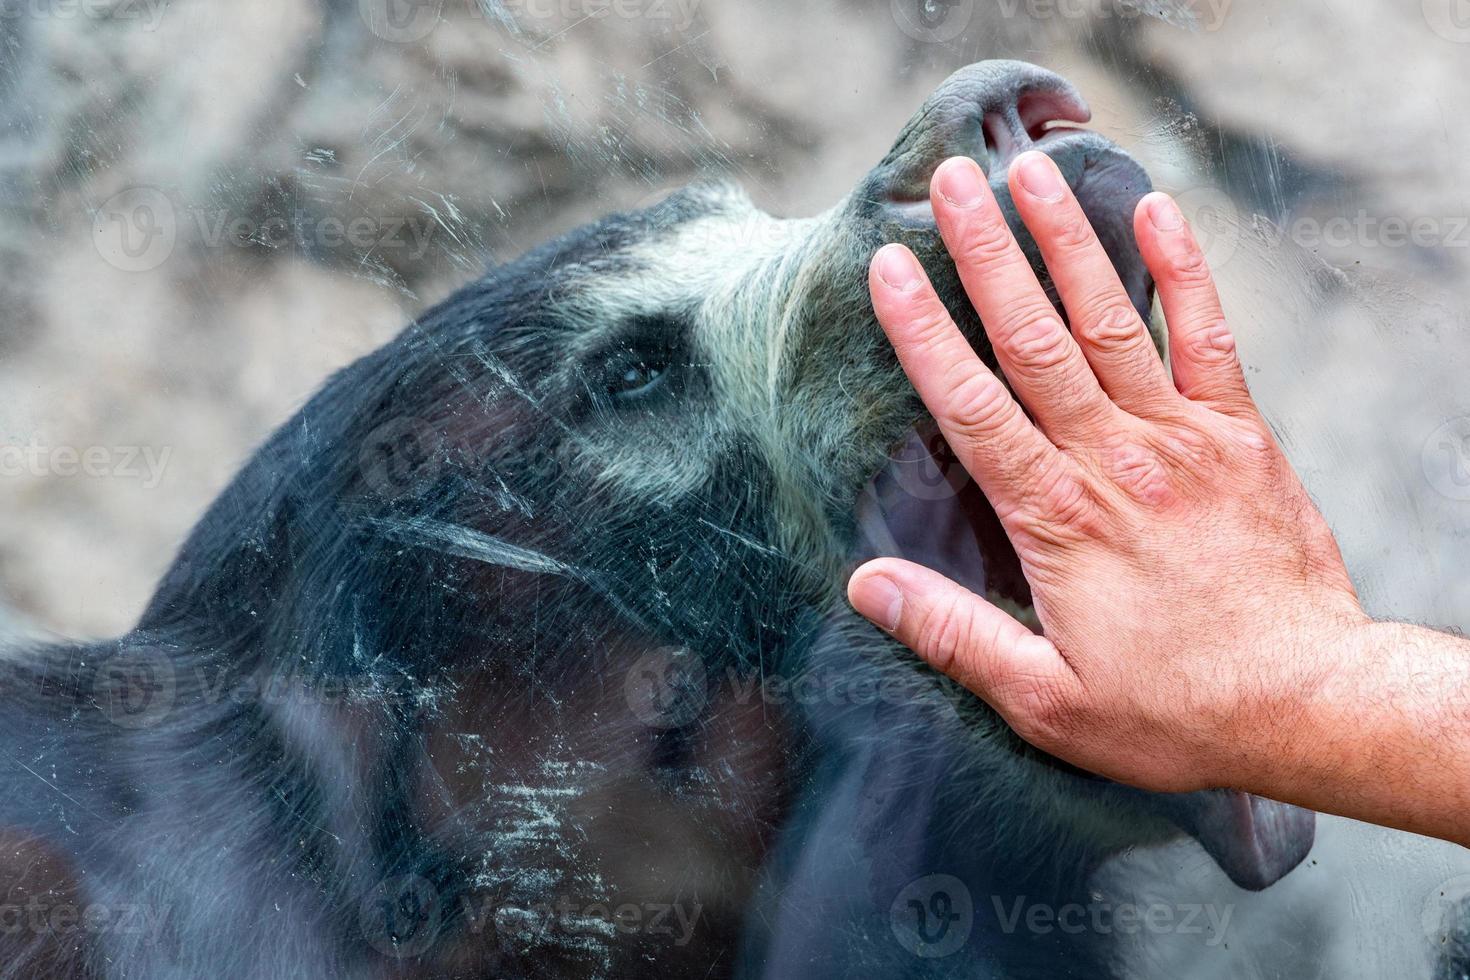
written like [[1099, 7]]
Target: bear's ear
[[47, 923]]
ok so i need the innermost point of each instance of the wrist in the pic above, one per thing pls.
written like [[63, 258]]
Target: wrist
[[1383, 733], [1308, 680]]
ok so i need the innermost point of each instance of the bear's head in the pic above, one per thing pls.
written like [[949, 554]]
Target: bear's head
[[658, 441]]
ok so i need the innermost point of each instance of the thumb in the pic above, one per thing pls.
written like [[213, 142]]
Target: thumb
[[1018, 673]]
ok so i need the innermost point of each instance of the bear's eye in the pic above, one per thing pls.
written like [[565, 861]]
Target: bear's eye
[[647, 359], [629, 379]]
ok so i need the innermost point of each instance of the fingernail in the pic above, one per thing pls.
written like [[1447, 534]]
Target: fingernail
[[960, 182], [898, 267], [1164, 214], [878, 599], [1040, 177]]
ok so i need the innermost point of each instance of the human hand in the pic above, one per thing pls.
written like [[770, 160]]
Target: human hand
[[1192, 598]]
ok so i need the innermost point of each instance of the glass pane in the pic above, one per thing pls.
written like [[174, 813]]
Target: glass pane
[[512, 642]]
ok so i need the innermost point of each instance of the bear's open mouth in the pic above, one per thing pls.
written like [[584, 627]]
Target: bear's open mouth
[[923, 506]]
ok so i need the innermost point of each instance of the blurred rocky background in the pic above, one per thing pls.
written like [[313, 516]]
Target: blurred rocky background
[[206, 207]]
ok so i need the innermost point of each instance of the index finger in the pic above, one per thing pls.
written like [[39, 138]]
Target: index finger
[[979, 419]]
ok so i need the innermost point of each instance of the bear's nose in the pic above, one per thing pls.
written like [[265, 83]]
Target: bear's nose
[[992, 111]]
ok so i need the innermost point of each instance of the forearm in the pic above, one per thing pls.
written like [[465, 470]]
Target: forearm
[[1385, 735]]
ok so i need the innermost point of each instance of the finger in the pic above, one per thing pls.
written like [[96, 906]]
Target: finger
[[1037, 354], [980, 420], [1201, 346], [1104, 322], [1018, 673]]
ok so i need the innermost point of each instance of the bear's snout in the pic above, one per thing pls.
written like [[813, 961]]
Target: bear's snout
[[993, 111]]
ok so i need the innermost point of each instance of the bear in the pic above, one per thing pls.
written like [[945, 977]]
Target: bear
[[520, 650]]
